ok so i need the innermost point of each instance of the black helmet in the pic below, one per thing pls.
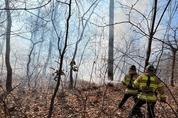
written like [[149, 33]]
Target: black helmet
[[132, 67], [150, 68]]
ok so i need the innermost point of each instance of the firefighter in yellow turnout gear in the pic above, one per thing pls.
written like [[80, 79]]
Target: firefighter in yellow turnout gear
[[130, 91], [148, 85]]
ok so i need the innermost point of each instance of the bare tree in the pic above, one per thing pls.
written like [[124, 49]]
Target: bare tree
[[52, 41], [153, 29], [7, 56], [152, 32], [2, 44], [48, 57], [173, 46], [61, 58], [1, 53], [139, 26], [84, 25], [172, 39], [30, 73], [111, 40]]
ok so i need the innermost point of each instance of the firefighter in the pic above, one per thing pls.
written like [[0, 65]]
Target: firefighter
[[148, 85], [130, 91]]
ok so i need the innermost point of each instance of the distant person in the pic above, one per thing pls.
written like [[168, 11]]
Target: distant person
[[148, 84], [130, 91]]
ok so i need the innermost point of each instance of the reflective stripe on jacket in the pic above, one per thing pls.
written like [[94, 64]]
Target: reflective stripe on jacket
[[126, 82], [148, 93], [131, 91]]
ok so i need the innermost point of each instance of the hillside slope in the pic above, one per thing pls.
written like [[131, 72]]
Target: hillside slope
[[86, 101]]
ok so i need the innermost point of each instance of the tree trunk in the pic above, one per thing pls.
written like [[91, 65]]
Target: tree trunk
[[71, 77], [173, 66], [48, 58], [61, 60], [7, 56], [1, 53], [111, 40], [151, 35], [78, 41], [28, 68]]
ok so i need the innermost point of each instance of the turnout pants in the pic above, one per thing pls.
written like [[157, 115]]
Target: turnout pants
[[137, 106], [124, 99], [126, 96]]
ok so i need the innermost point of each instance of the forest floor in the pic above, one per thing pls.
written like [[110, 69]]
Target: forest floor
[[85, 101]]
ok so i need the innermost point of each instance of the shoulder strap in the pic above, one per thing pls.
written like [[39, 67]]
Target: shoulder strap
[[131, 79], [148, 81]]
